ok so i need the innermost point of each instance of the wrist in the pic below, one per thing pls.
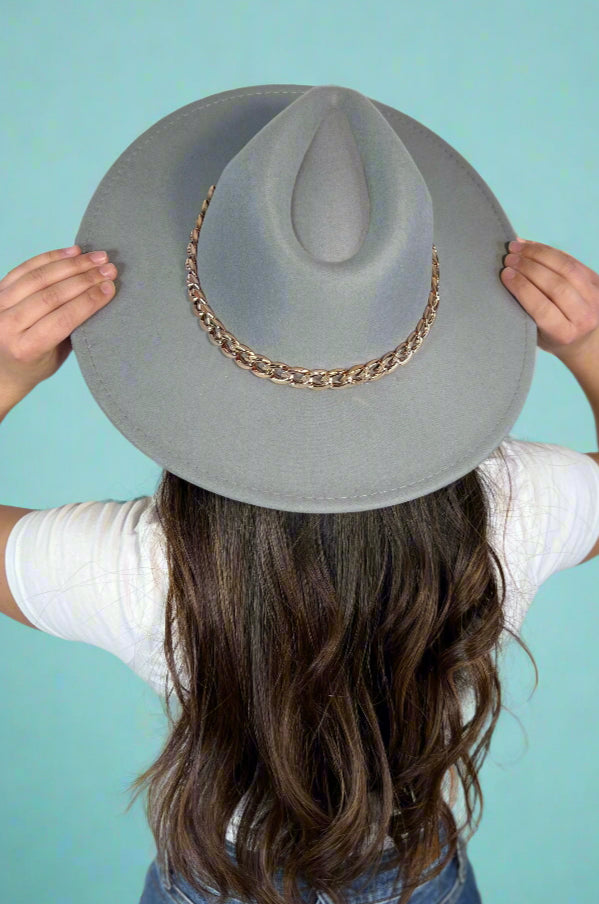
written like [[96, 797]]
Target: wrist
[[581, 354]]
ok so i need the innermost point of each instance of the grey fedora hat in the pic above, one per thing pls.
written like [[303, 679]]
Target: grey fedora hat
[[332, 232]]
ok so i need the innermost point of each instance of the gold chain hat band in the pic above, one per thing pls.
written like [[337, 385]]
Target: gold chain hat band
[[279, 372]]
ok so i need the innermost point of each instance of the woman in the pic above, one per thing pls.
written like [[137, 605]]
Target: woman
[[325, 579]]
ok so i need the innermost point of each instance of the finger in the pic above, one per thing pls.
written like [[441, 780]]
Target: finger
[[55, 327], [548, 316], [43, 284], [31, 308], [34, 263], [560, 291], [581, 276]]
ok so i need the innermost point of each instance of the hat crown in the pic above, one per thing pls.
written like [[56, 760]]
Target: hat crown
[[325, 203]]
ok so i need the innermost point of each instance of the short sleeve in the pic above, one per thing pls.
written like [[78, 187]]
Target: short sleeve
[[557, 501], [83, 572]]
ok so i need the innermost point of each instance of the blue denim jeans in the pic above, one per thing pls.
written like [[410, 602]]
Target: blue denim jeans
[[456, 884]]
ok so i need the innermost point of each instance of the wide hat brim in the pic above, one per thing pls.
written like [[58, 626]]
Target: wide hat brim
[[173, 394]]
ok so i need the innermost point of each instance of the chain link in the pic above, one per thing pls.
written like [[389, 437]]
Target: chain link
[[277, 371]]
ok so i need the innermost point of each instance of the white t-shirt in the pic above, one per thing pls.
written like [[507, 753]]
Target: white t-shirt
[[96, 571]]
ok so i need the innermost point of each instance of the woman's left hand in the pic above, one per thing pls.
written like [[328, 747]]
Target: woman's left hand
[[41, 302]]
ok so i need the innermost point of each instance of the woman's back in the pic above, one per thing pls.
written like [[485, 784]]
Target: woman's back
[[97, 572]]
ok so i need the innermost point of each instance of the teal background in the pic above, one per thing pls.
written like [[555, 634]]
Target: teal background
[[513, 87]]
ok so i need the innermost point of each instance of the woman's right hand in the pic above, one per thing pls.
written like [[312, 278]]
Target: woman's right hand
[[560, 294]]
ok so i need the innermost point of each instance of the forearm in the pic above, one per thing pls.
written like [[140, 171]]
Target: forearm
[[6, 405], [4, 409], [585, 367]]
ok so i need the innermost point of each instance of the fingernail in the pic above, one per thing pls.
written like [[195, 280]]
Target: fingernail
[[71, 251], [98, 256]]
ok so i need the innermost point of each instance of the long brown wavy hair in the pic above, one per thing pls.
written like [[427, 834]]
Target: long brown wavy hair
[[322, 663]]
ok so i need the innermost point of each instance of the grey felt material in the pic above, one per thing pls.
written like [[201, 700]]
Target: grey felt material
[[316, 250]]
